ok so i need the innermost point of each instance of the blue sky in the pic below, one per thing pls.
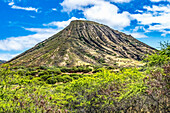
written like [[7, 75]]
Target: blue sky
[[24, 23]]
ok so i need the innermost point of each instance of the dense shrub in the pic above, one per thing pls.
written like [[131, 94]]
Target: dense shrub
[[97, 70], [21, 72], [65, 69], [74, 74], [165, 48], [157, 59], [43, 73], [54, 71], [160, 58], [45, 77], [52, 80], [59, 78], [33, 73], [67, 78], [43, 68], [76, 69]]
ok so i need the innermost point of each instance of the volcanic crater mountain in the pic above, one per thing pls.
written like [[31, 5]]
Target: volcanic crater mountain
[[83, 43]]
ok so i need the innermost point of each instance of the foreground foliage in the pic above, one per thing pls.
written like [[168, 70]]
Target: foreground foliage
[[62, 90]]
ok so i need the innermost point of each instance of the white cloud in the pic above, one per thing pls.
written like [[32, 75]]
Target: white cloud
[[25, 8], [69, 5], [165, 33], [159, 0], [156, 17], [24, 42], [154, 8], [62, 24], [139, 11], [54, 9], [121, 1], [7, 56], [11, 3], [100, 11], [159, 27], [32, 16], [139, 35], [22, 8], [107, 13], [136, 34], [137, 28]]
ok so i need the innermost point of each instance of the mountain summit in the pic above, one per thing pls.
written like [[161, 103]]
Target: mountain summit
[[84, 42]]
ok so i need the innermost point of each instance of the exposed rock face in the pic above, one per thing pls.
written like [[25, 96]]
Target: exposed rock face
[[84, 42]]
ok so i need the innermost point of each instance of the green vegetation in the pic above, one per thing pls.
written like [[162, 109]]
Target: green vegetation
[[87, 89], [160, 58]]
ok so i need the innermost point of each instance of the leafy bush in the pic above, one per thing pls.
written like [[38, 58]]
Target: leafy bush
[[45, 77], [59, 78], [65, 69], [74, 74], [97, 70], [51, 80], [67, 78], [21, 72], [43, 73], [33, 73], [165, 48], [42, 68], [76, 77], [157, 60], [160, 58], [54, 71], [76, 69]]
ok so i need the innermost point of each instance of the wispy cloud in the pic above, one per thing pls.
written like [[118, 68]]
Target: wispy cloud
[[54, 9], [121, 1], [25, 8], [156, 17], [159, 0], [11, 3], [155, 9], [13, 6]]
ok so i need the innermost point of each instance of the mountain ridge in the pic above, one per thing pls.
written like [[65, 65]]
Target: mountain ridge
[[84, 42]]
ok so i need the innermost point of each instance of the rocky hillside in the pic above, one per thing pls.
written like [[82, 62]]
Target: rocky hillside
[[83, 43]]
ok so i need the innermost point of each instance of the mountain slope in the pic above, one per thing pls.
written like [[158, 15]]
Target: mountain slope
[[2, 61], [84, 42]]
